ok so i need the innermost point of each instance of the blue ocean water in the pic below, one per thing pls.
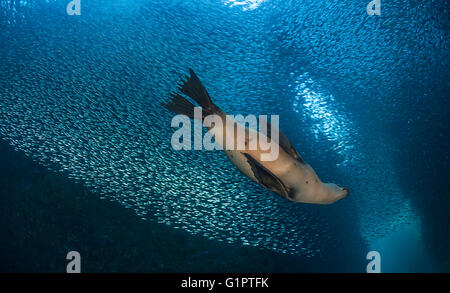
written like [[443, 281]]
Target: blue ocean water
[[363, 98]]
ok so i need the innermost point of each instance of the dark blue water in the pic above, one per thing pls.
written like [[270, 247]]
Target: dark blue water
[[363, 98]]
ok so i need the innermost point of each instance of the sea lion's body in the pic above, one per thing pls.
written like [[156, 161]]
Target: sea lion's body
[[286, 173]]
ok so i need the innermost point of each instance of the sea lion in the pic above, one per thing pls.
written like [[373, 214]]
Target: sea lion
[[287, 175]]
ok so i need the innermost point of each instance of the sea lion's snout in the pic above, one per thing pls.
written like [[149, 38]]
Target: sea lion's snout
[[336, 192], [346, 190]]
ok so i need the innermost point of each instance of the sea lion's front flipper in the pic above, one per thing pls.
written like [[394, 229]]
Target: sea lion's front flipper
[[284, 142], [266, 178]]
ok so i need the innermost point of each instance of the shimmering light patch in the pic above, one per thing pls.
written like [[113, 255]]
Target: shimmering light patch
[[245, 4], [326, 119], [383, 209]]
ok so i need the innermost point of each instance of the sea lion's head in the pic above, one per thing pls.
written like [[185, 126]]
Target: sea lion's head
[[312, 190]]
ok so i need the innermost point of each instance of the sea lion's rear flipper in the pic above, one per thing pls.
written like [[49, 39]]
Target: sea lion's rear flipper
[[180, 105], [266, 178], [194, 88], [284, 142]]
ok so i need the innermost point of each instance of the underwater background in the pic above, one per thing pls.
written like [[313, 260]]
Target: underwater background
[[86, 162]]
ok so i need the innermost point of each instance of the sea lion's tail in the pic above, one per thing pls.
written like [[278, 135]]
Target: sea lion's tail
[[194, 89]]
